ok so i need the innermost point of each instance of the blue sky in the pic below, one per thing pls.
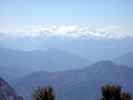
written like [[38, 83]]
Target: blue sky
[[18, 14]]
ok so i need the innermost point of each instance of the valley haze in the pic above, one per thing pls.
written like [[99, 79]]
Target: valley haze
[[74, 46]]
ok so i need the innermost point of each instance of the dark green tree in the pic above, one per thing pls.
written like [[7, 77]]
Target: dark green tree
[[126, 96], [114, 92], [44, 94]]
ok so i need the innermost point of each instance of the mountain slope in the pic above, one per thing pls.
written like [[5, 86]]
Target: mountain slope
[[24, 62], [7, 92], [78, 84], [126, 59]]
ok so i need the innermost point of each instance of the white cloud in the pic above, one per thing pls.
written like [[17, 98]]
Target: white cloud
[[56, 30], [73, 31]]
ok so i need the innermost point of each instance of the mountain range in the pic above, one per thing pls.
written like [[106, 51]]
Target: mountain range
[[78, 84], [94, 49], [72, 76], [24, 62], [53, 59]]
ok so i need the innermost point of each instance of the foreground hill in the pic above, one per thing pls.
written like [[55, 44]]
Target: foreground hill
[[7, 92], [78, 84], [24, 62]]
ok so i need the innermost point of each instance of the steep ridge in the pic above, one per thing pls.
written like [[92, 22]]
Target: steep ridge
[[7, 92]]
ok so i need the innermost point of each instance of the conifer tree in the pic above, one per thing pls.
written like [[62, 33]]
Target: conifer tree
[[44, 94], [114, 92]]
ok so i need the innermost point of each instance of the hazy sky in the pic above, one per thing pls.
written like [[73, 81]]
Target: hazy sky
[[19, 15]]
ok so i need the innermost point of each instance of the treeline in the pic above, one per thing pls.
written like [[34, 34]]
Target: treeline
[[109, 92]]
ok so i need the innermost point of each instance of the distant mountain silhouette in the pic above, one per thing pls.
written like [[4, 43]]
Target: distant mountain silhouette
[[7, 92], [94, 49], [79, 84], [23, 62], [126, 59]]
